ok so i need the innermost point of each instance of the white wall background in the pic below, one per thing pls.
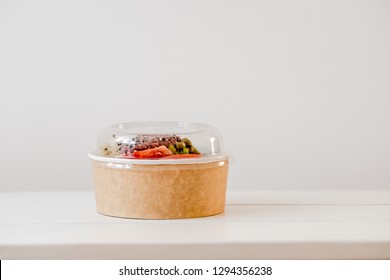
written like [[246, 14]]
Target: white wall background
[[300, 89]]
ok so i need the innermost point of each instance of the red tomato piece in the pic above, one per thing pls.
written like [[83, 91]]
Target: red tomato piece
[[183, 156], [158, 152]]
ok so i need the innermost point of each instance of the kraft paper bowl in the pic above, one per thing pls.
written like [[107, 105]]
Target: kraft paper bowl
[[160, 188]]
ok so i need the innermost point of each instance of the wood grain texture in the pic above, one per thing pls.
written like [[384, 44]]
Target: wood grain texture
[[65, 225]]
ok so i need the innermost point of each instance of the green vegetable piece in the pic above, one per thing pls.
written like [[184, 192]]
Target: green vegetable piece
[[185, 151], [187, 141], [195, 151], [180, 145], [172, 149]]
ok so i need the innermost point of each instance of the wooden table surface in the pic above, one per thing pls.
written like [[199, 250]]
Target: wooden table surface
[[255, 225]]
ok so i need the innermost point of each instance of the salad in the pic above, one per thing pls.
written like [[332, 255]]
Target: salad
[[151, 147]]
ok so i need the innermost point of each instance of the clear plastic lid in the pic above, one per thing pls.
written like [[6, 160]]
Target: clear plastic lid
[[159, 143]]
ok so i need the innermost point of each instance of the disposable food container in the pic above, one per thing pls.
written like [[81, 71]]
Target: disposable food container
[[160, 170]]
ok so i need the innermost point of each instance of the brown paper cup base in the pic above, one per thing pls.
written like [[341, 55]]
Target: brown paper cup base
[[161, 191]]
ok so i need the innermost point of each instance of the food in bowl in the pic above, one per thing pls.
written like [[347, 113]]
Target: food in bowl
[[160, 170]]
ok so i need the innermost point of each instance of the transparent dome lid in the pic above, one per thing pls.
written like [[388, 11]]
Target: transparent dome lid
[[159, 142]]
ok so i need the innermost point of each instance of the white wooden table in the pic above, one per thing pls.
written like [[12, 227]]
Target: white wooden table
[[256, 225]]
